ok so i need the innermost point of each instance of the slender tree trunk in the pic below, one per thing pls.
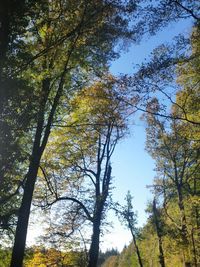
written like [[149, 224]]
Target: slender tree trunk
[[137, 249], [94, 248], [41, 139], [159, 235], [161, 256], [184, 232], [24, 212]]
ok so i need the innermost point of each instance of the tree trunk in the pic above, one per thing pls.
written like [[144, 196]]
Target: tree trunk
[[184, 232], [159, 235], [94, 248], [24, 212], [137, 249], [98, 211], [161, 256]]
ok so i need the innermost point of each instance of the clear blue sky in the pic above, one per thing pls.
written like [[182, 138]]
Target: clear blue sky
[[132, 166]]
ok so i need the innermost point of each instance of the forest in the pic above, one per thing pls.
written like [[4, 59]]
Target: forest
[[62, 115]]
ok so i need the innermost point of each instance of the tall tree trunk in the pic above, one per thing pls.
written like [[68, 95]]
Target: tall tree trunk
[[159, 234], [184, 232], [37, 151], [137, 252], [24, 212], [94, 248], [41, 139], [161, 256], [136, 247], [99, 206]]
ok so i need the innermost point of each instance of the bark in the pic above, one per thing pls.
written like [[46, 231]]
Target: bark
[[137, 251], [183, 217], [41, 139], [24, 212], [99, 205], [94, 248], [159, 235], [184, 232], [136, 247]]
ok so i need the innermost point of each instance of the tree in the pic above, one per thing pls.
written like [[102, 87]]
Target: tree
[[177, 162], [87, 142], [16, 116], [12, 21], [110, 254], [159, 231], [180, 141], [163, 12], [157, 76], [55, 70], [52, 257], [129, 217], [56, 61], [5, 255], [111, 262], [188, 79], [17, 113]]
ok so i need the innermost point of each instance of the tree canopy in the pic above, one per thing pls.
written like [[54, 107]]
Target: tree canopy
[[62, 113]]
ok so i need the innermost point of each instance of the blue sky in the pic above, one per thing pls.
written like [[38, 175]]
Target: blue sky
[[132, 166]]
